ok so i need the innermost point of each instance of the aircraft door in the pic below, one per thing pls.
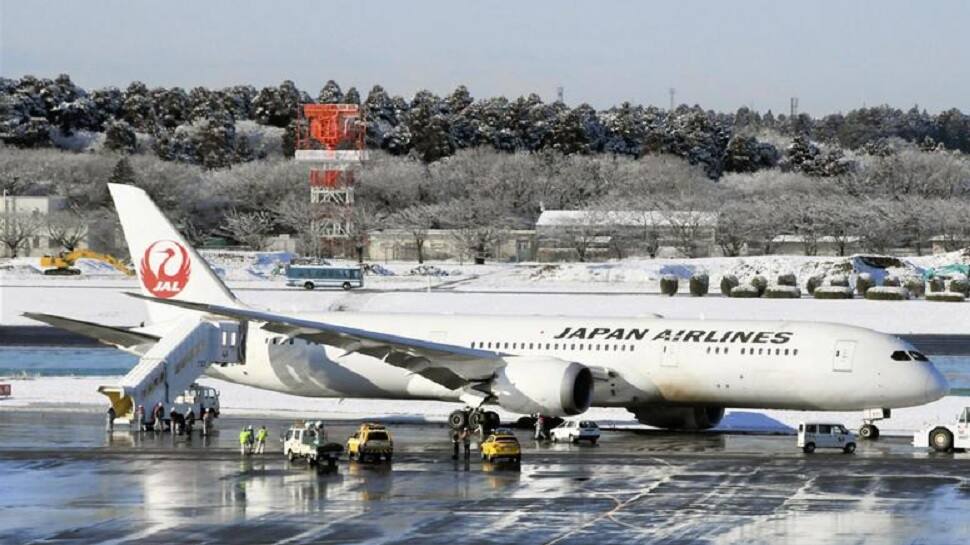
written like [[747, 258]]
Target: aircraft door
[[842, 358]]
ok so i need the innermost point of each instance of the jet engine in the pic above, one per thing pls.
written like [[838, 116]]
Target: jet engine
[[542, 384], [679, 418]]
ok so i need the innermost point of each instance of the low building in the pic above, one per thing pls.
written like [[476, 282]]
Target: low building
[[590, 235], [28, 215], [443, 244], [798, 244]]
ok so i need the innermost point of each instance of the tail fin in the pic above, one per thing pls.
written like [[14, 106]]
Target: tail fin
[[167, 266]]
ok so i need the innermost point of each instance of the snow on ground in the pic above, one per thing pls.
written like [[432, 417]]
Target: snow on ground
[[80, 394]]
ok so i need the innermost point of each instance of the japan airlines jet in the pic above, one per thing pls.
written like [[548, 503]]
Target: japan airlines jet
[[669, 373]]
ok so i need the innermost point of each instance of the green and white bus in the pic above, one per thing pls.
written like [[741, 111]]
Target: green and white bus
[[324, 276]]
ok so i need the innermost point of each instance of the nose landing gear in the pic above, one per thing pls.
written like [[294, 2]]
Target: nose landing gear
[[870, 431]]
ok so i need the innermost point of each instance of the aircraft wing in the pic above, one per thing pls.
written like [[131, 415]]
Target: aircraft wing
[[449, 365], [120, 337]]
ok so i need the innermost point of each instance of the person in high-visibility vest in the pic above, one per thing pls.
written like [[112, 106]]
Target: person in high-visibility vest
[[260, 439], [245, 441]]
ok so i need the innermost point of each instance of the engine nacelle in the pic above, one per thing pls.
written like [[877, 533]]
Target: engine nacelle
[[679, 418], [545, 385]]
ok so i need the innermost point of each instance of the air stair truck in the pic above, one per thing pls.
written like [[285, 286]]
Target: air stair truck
[[167, 372]]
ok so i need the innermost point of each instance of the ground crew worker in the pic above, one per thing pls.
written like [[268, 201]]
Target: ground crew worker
[[540, 424], [206, 421], [455, 439], [251, 438], [466, 440], [157, 415], [260, 439], [189, 420], [245, 440]]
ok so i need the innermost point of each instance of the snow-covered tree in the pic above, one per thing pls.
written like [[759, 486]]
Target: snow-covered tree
[[119, 136], [330, 94], [252, 229]]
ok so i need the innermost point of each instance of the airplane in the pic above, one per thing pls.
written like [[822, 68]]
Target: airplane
[[670, 373]]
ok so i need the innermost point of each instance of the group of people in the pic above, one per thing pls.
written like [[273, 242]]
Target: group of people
[[252, 442], [461, 436], [178, 423]]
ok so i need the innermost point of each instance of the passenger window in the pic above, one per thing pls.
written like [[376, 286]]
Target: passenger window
[[708, 349], [742, 351], [824, 429], [631, 347], [899, 355], [786, 351], [810, 428], [547, 346], [794, 352]]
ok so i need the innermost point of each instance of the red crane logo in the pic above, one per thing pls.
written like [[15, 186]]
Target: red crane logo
[[165, 268]]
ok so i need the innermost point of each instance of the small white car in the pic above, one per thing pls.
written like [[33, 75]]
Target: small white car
[[814, 435], [575, 431]]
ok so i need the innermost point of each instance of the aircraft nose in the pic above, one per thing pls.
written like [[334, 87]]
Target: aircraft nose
[[936, 384]]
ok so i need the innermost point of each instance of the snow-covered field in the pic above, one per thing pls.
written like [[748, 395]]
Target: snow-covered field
[[617, 288], [80, 394]]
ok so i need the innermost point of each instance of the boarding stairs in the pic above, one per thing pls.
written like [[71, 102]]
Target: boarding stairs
[[173, 364]]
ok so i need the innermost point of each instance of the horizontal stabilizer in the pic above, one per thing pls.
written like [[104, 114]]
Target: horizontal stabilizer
[[115, 336]]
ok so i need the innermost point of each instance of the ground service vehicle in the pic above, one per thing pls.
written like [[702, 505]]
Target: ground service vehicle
[[575, 431], [501, 446], [944, 437], [198, 398], [814, 435], [324, 276], [310, 443], [371, 443], [62, 264]]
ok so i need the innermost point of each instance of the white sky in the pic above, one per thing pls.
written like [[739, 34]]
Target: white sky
[[833, 55]]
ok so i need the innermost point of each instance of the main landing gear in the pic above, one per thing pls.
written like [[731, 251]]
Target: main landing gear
[[870, 431], [473, 418]]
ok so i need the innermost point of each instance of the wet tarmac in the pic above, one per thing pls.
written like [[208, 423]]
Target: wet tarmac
[[64, 480]]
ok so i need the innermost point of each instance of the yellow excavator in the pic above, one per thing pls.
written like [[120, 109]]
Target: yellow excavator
[[62, 264]]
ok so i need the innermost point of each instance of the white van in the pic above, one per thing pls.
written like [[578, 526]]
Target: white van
[[813, 435]]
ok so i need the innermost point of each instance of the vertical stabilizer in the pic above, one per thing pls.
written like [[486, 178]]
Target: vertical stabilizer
[[166, 265]]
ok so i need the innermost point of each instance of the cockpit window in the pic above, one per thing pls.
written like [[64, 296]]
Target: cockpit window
[[918, 356], [900, 355]]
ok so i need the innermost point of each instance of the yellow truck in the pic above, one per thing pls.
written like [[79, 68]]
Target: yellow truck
[[371, 443], [501, 446]]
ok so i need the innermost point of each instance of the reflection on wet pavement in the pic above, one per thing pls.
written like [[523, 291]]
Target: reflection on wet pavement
[[64, 481]]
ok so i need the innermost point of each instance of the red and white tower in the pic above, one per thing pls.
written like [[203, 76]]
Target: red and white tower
[[330, 139]]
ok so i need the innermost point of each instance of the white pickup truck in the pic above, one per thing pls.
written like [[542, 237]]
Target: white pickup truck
[[945, 437]]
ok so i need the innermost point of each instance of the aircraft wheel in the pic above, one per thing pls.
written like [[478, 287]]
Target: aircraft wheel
[[869, 432], [808, 448], [458, 420], [941, 439]]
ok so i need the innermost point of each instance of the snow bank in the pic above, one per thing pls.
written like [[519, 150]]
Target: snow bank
[[73, 394]]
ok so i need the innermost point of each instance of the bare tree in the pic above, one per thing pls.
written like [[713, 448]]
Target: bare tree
[[479, 226], [16, 228], [250, 228], [68, 227], [306, 219], [583, 235], [417, 220]]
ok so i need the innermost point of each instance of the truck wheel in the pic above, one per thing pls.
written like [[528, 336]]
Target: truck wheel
[[941, 439], [574, 440], [593, 441], [346, 286], [849, 448], [290, 456], [808, 448], [458, 420], [555, 438], [308, 285], [311, 461]]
